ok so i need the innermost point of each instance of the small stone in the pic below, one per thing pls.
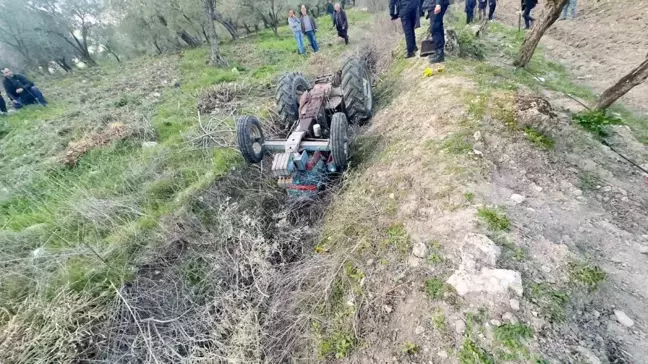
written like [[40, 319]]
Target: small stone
[[443, 354], [460, 326], [606, 189], [517, 198], [477, 136], [545, 269], [420, 250], [387, 309], [400, 277], [623, 192], [515, 304], [156, 94], [496, 323], [39, 252], [577, 192], [370, 262], [643, 250], [392, 196], [536, 187], [623, 318], [419, 330], [510, 318], [596, 314]]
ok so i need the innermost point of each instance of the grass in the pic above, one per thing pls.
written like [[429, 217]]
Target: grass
[[397, 237], [552, 302], [538, 138], [597, 122], [410, 348], [457, 143], [588, 181], [471, 353], [494, 218], [434, 288], [586, 274]]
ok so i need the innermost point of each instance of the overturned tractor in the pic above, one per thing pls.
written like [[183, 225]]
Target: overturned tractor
[[318, 116]]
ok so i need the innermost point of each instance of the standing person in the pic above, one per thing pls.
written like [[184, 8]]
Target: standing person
[[571, 4], [437, 9], [341, 23], [295, 25], [21, 90], [407, 11], [330, 10], [492, 4], [470, 10], [3, 106], [482, 9], [309, 27], [527, 6]]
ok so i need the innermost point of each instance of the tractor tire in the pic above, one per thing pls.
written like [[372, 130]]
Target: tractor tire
[[289, 89], [356, 84], [339, 140], [250, 138]]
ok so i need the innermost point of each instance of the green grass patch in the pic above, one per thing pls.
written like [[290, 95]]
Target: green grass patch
[[494, 218], [469, 197], [552, 302], [538, 138], [586, 274], [597, 122], [410, 348], [398, 238], [471, 353], [512, 336], [457, 143], [434, 288], [588, 181]]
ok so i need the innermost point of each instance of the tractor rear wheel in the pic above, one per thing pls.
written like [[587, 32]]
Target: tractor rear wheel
[[250, 138], [290, 88], [356, 84], [339, 140]]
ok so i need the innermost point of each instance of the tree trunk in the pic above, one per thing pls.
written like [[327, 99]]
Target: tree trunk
[[636, 77], [188, 38], [215, 58], [550, 14], [247, 28], [62, 62], [204, 33]]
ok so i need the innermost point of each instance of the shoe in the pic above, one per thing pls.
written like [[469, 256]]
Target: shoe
[[437, 57], [410, 55], [416, 49]]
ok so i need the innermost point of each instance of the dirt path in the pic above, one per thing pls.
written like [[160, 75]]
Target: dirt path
[[605, 41], [464, 200]]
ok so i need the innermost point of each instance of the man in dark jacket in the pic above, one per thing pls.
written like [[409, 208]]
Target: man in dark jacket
[[330, 10], [408, 12], [492, 4], [341, 23], [437, 10], [527, 6], [21, 90], [470, 10]]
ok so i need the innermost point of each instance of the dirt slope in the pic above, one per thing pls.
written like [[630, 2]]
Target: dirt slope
[[450, 161], [605, 41]]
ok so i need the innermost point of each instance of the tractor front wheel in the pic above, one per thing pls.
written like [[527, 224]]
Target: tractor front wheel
[[290, 88], [356, 84], [339, 140], [250, 138]]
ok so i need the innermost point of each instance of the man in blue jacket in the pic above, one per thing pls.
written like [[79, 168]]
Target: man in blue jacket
[[21, 90], [408, 12], [437, 10]]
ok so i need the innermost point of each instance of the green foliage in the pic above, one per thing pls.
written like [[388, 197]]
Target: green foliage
[[410, 348], [587, 275], [439, 321], [471, 353], [469, 45], [588, 181], [469, 196], [495, 218], [551, 301], [397, 237], [597, 122], [539, 139], [457, 143], [512, 335], [434, 288], [338, 345]]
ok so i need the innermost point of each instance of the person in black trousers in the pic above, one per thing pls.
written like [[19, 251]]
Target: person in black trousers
[[527, 6], [437, 10], [3, 106], [341, 23], [470, 10], [408, 12], [492, 4]]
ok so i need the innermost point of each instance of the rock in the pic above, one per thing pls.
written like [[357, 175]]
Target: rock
[[565, 185], [370, 262], [515, 304], [387, 309], [596, 314], [460, 326], [623, 318], [510, 318], [400, 277], [517, 198], [643, 249], [147, 145], [496, 323], [392, 196], [545, 269], [477, 136], [536, 188], [606, 189], [588, 355], [577, 192], [495, 281], [156, 94], [420, 250], [413, 261], [419, 330], [39, 252], [443, 354]]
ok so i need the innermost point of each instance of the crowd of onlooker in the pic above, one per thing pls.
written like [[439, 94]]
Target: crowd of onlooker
[[306, 25], [20, 90]]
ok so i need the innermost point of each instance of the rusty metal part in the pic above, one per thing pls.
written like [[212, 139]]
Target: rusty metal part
[[311, 103]]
